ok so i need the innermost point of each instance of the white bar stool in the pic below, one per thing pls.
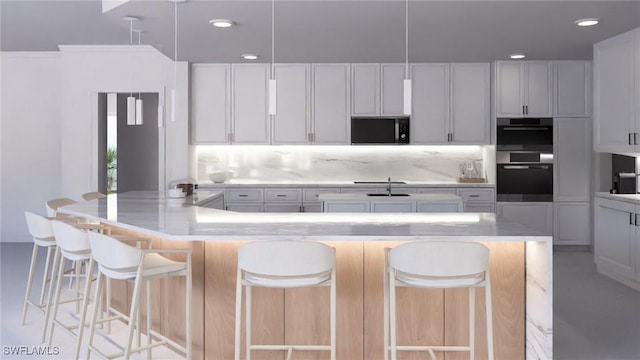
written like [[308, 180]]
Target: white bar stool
[[117, 260], [284, 264], [40, 229], [441, 265], [73, 244]]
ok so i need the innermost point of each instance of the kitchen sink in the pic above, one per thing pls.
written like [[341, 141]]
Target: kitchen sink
[[387, 194]]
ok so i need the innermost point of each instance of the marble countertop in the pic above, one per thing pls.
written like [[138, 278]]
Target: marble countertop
[[178, 219], [630, 198], [411, 197], [334, 183]]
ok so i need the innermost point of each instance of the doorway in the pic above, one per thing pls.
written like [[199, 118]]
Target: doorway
[[127, 154]]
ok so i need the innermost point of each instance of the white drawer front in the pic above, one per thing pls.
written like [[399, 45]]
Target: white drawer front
[[484, 195], [437, 190], [311, 195], [283, 195], [236, 195]]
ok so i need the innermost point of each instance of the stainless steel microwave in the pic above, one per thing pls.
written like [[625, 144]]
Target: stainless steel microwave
[[380, 130]]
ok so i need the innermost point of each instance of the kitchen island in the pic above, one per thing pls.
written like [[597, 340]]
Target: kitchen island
[[521, 265], [391, 202]]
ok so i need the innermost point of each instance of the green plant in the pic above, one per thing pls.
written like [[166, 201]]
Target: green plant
[[112, 168]]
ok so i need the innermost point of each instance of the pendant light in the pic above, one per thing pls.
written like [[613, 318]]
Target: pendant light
[[175, 60], [131, 101], [407, 77], [272, 80], [139, 100]]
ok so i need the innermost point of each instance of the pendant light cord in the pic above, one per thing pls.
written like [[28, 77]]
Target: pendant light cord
[[406, 39], [139, 43], [175, 44], [132, 57], [273, 39]]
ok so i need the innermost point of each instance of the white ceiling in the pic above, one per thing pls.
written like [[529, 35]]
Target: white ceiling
[[325, 30]]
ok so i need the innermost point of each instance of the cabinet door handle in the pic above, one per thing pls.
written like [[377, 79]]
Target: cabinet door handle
[[629, 141], [226, 208], [523, 111], [635, 219], [631, 219], [527, 108], [301, 208], [635, 138]]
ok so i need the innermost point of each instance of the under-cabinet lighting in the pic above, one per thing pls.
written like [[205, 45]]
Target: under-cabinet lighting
[[517, 56], [249, 56]]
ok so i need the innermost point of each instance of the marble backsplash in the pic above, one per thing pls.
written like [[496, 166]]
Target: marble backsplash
[[334, 163]]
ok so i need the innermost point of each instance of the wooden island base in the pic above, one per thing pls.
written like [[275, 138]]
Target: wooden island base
[[301, 315]]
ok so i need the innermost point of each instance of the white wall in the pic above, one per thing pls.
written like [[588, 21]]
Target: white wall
[[30, 119], [49, 122]]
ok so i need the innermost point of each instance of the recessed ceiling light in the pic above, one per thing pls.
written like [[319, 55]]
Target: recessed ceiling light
[[249, 56], [223, 23], [517, 56], [587, 22]]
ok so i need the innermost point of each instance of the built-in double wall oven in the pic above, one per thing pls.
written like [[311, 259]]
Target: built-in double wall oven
[[524, 159]]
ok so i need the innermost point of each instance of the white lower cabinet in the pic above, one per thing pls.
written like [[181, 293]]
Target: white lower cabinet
[[428, 207], [572, 223], [480, 207], [344, 206], [282, 207], [310, 201], [392, 206], [616, 240], [245, 207], [537, 215]]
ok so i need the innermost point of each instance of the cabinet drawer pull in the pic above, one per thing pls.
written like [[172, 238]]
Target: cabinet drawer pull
[[243, 195], [281, 195], [474, 196]]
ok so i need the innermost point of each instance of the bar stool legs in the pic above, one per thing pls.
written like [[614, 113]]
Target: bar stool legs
[[45, 279], [437, 265]]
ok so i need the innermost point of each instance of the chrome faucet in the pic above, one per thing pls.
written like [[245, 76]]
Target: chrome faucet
[[389, 186]]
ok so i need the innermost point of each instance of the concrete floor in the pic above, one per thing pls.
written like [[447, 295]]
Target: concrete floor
[[594, 317]]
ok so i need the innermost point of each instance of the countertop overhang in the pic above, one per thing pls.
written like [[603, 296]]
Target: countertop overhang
[[179, 219]]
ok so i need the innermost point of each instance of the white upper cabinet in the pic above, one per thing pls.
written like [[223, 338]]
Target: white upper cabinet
[[377, 89], [572, 89], [524, 89], [210, 103], [616, 107], [450, 104], [572, 159], [392, 89], [430, 104], [251, 123], [470, 103], [365, 89], [291, 124], [331, 104]]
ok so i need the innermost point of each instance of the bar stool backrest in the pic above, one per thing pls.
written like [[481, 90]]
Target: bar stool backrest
[[52, 205], [69, 238], [93, 195], [440, 258], [39, 226], [286, 258], [115, 258]]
